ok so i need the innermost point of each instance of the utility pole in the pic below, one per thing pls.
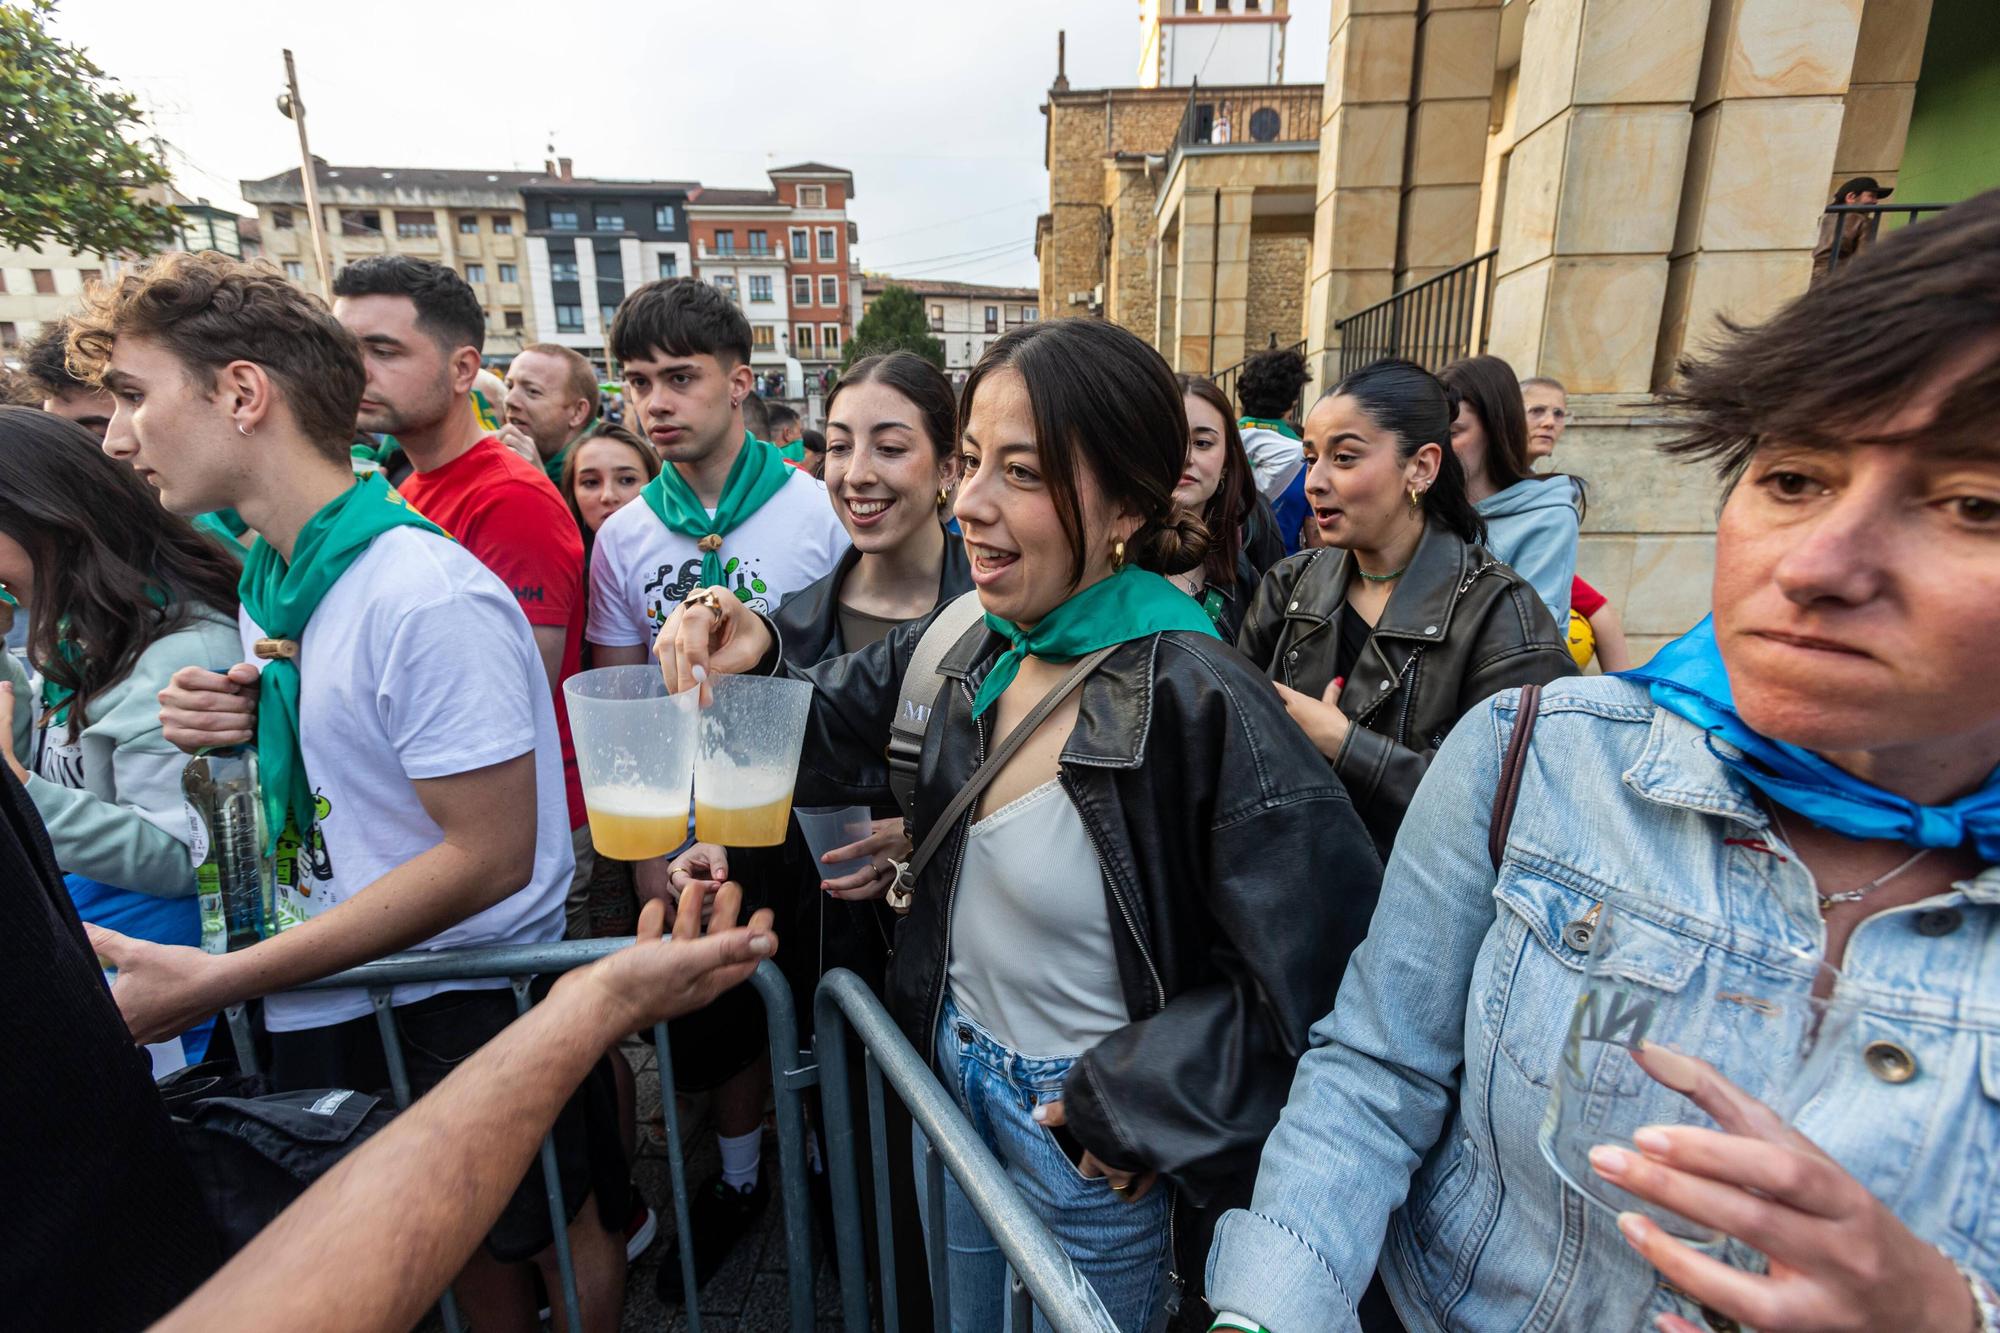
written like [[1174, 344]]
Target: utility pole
[[294, 108]]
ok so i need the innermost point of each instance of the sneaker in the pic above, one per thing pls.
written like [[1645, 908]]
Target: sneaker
[[641, 1230], [718, 1216]]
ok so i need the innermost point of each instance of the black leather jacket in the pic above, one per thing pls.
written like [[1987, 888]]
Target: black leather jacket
[[1459, 628], [1236, 874]]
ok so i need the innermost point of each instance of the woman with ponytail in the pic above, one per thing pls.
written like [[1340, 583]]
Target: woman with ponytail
[[1121, 936], [1402, 621]]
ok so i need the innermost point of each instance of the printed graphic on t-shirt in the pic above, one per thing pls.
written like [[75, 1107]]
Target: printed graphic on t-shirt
[[296, 899], [669, 587], [59, 762]]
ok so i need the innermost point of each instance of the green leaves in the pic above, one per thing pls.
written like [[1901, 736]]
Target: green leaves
[[895, 322], [67, 169]]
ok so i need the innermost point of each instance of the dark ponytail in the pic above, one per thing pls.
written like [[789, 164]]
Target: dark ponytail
[[1417, 408]]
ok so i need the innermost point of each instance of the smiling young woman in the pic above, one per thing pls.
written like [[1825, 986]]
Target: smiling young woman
[[1164, 878], [1810, 773]]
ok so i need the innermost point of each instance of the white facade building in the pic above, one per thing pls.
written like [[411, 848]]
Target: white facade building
[[1221, 43], [967, 317]]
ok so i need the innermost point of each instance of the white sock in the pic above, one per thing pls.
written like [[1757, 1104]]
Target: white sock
[[740, 1156]]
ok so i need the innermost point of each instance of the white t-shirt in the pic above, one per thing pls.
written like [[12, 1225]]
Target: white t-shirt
[[640, 571], [1274, 458], [417, 664]]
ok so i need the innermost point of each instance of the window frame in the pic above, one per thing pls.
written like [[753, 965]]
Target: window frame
[[281, 219], [295, 270], [557, 265], [827, 244], [765, 280], [468, 224], [501, 226], [565, 327], [824, 279], [801, 244], [829, 339], [802, 344], [475, 275], [415, 225], [764, 336], [663, 217], [798, 278], [601, 220], [819, 201], [556, 216], [508, 273]]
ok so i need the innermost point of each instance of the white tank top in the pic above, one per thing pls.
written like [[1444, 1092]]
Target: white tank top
[[1031, 957]]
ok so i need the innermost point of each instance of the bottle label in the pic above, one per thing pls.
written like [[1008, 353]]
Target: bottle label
[[197, 839]]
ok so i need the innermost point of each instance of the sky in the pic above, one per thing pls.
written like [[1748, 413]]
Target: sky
[[932, 104]]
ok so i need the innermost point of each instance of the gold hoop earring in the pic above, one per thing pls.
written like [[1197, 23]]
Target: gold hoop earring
[[944, 499], [1118, 555], [1416, 501]]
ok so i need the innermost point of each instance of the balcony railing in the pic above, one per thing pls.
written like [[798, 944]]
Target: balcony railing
[[1249, 117], [1225, 379], [1848, 227], [1431, 323]]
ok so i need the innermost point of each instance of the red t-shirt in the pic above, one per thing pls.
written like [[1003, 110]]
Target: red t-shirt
[[505, 511], [1585, 600]]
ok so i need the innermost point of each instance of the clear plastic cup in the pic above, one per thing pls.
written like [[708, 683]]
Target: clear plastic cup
[[635, 748], [748, 759], [828, 828]]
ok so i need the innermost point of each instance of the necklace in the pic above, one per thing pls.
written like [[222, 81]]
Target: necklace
[[1390, 577], [1829, 901]]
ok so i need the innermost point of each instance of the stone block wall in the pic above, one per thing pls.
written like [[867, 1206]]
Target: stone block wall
[[1278, 264]]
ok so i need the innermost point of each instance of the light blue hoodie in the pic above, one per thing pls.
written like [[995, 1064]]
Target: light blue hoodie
[[1532, 527]]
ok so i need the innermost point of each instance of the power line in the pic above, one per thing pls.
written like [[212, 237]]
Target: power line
[[980, 252]]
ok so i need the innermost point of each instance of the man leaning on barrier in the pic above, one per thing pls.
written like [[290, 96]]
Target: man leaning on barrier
[[374, 1242]]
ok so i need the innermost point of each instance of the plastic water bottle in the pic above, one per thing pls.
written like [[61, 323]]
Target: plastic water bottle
[[235, 873]]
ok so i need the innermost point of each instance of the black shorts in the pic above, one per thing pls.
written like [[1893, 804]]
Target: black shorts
[[715, 1043], [438, 1034]]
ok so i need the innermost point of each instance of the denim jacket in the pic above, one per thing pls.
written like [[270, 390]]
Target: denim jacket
[[1415, 1111]]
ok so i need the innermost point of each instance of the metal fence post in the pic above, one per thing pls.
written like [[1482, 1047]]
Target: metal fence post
[[787, 1079]]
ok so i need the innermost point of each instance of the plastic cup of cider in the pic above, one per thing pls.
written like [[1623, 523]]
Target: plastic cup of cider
[[748, 759], [635, 748]]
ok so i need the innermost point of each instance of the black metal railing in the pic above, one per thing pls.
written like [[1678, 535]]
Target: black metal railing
[[1226, 378], [1840, 237], [1431, 323], [1219, 117]]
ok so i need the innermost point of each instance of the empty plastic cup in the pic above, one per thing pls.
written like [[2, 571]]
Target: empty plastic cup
[[635, 755], [748, 759], [828, 828]]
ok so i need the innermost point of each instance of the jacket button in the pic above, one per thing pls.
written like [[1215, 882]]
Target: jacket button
[[1719, 1322], [1292, 656], [1385, 684], [1430, 629], [1293, 607], [1889, 1062], [1939, 921], [964, 1034], [1577, 934]]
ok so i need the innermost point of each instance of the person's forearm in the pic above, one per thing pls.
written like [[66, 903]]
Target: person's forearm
[[405, 1212], [549, 642], [429, 893]]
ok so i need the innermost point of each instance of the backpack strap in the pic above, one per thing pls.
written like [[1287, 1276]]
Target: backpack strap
[[1512, 763], [921, 683]]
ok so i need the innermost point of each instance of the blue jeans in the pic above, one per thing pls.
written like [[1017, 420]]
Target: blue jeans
[[1120, 1248]]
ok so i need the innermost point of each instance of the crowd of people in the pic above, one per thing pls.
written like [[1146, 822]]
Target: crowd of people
[[1239, 879]]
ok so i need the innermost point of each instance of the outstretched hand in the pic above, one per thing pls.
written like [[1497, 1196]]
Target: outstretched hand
[[664, 976], [709, 634]]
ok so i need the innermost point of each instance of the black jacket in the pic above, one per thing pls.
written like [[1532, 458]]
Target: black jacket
[[1459, 628], [808, 620], [1236, 874]]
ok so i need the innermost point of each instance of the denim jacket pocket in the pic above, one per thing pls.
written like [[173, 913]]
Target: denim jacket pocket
[[1975, 1209]]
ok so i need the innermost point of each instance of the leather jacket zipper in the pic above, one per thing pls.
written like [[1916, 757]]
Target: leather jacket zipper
[[1111, 883]]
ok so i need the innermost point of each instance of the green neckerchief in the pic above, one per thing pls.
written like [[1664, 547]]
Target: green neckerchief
[[281, 598], [1283, 428], [1127, 605], [224, 527], [759, 474], [554, 466], [795, 452]]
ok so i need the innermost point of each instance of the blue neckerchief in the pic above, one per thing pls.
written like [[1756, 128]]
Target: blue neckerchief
[[1688, 679]]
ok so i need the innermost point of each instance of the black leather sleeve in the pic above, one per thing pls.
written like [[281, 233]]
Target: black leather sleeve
[[1264, 623]]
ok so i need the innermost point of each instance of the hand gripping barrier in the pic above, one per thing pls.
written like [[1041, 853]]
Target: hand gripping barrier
[[1040, 1275]]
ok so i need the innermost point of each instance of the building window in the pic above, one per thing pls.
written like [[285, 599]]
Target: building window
[[725, 242], [607, 313], [801, 246], [760, 242], [937, 317], [726, 284], [812, 196], [508, 273], [663, 217], [503, 226], [562, 270], [468, 224], [562, 217], [413, 226], [802, 290], [9, 335], [360, 222], [829, 339], [610, 263], [829, 244], [475, 274], [763, 336], [993, 319], [804, 342], [829, 289], [1029, 314], [610, 217], [569, 319], [86, 276], [760, 286], [295, 270], [45, 281], [281, 219], [670, 264]]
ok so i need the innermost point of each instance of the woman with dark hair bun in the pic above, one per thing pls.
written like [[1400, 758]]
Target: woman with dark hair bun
[[1385, 636], [1532, 519], [1129, 914], [120, 594]]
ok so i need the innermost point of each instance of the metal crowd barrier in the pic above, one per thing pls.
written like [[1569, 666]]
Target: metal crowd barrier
[[1039, 1274], [520, 964]]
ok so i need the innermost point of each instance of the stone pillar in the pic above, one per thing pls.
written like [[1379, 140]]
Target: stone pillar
[[1881, 91], [1767, 121], [1167, 284], [1365, 120], [1193, 308], [1593, 184], [1232, 275], [1456, 46]]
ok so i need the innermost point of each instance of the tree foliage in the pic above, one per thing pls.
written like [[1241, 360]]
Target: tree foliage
[[895, 322], [67, 169]]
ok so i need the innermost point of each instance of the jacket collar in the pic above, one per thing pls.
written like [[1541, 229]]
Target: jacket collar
[[1114, 706], [811, 617], [1421, 606]]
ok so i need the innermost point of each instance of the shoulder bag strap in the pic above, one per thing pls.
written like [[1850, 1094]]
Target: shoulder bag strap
[[919, 691], [1508, 793], [907, 871]]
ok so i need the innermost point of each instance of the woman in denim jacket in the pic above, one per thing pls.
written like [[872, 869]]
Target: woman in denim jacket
[[1848, 691]]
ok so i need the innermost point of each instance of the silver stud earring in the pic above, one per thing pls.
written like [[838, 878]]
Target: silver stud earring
[[245, 429]]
